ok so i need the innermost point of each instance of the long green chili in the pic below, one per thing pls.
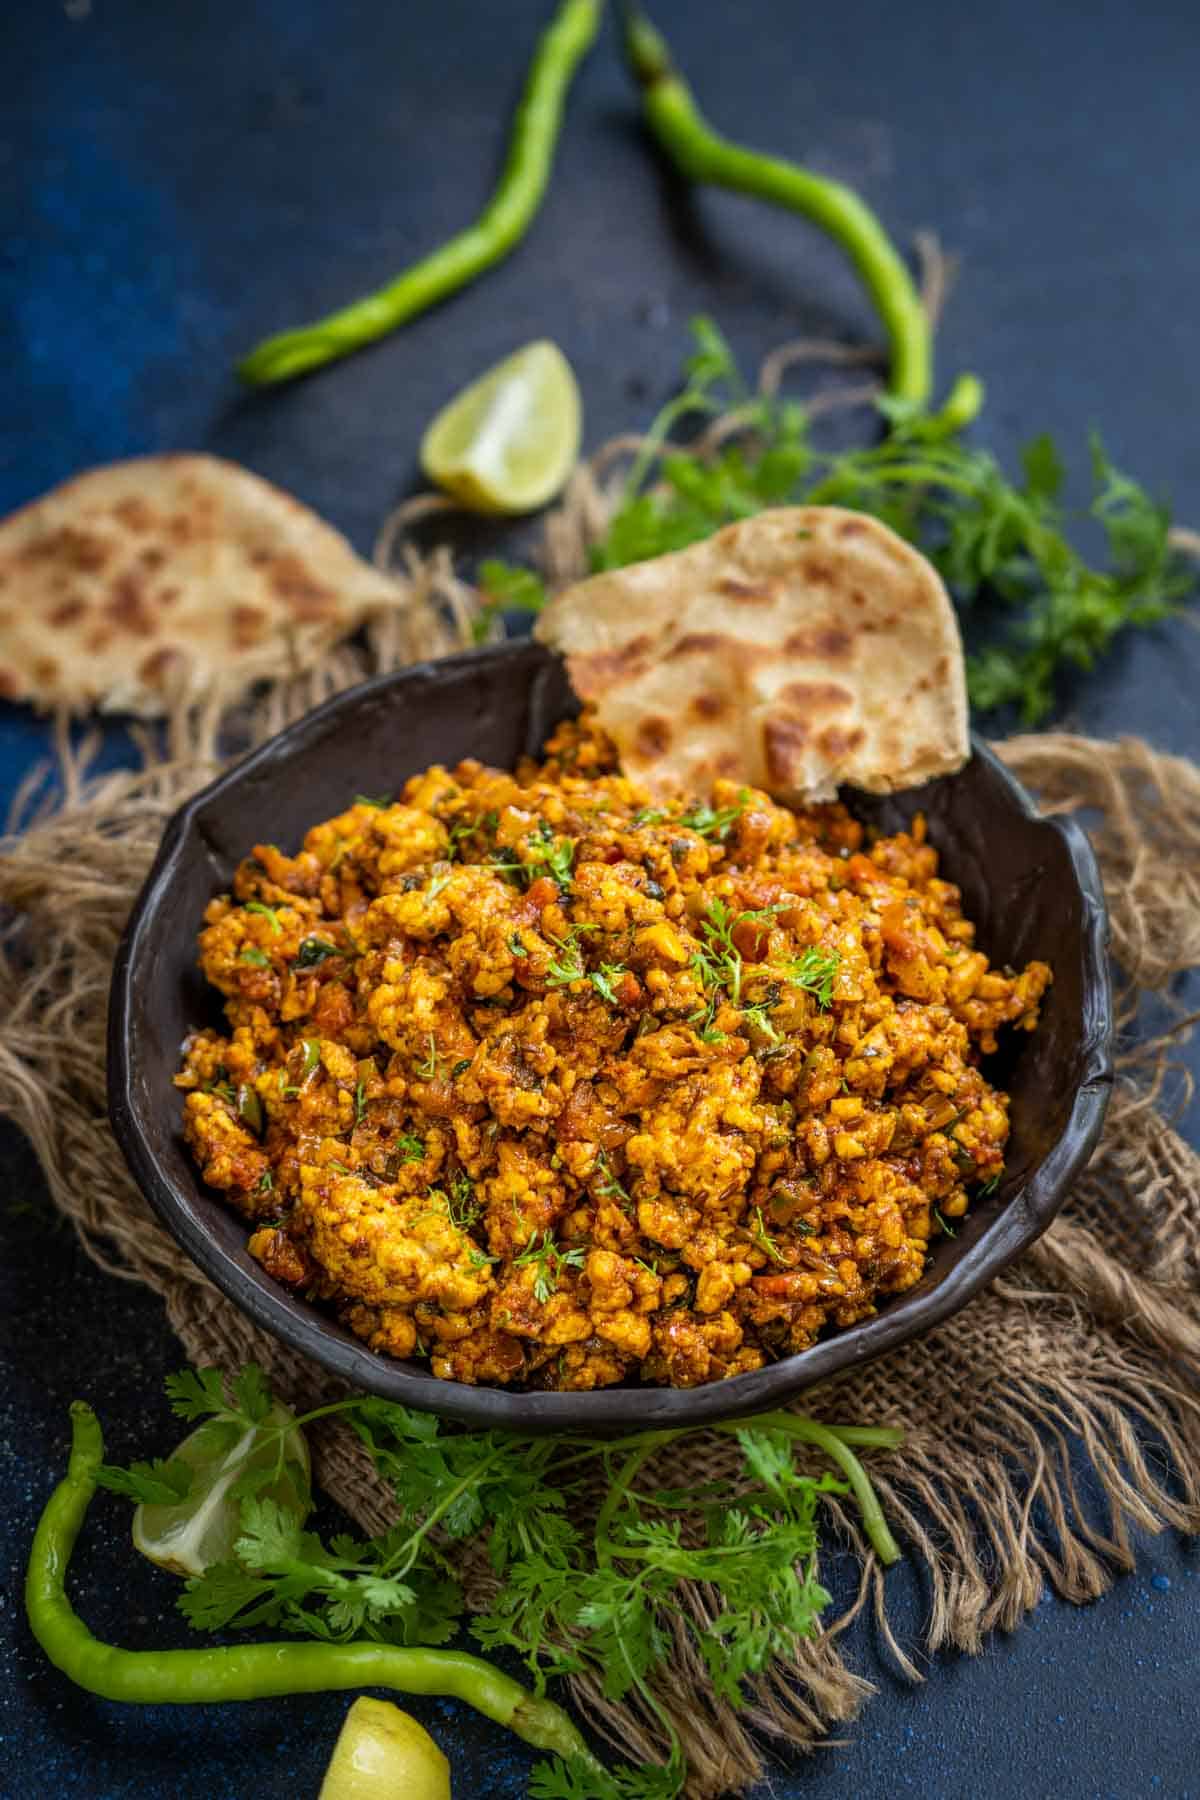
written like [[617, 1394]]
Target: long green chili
[[499, 227], [249, 1671], [702, 155]]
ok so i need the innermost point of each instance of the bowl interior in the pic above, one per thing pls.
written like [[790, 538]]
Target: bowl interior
[[1030, 885]]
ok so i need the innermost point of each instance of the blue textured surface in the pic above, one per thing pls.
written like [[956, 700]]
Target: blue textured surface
[[176, 181]]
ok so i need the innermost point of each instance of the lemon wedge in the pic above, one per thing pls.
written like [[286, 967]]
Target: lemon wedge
[[507, 443], [191, 1535], [383, 1754]]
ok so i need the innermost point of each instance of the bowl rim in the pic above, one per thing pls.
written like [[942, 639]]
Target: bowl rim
[[1027, 1214]]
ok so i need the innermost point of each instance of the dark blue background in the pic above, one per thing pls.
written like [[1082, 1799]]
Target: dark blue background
[[176, 181]]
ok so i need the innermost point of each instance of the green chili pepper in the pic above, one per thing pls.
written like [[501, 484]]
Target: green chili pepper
[[250, 1110], [497, 230], [248, 1671], [702, 155]]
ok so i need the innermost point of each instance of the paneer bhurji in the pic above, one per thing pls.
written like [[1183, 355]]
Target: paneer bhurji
[[559, 1085]]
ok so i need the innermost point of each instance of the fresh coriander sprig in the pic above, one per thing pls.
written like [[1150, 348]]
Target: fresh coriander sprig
[[815, 971], [602, 980], [508, 589], [718, 823], [598, 1599], [548, 1263], [568, 965], [607, 1183], [993, 536], [762, 1237], [462, 1205]]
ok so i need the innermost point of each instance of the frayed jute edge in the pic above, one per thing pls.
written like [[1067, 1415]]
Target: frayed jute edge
[[1084, 1357]]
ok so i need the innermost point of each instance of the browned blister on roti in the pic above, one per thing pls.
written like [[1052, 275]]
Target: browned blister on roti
[[167, 578], [797, 650]]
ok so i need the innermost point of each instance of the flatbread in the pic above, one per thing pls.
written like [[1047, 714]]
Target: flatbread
[[797, 650], [157, 580]]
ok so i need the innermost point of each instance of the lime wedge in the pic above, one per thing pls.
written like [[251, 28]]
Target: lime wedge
[[383, 1754], [202, 1529], [507, 443]]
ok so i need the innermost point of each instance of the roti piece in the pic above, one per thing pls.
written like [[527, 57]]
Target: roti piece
[[153, 581], [797, 650]]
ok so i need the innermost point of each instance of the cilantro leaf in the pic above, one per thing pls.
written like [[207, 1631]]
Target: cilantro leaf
[[193, 1393], [584, 1590], [251, 1393], [995, 537], [154, 1483], [815, 971], [508, 589], [270, 1536], [215, 1599]]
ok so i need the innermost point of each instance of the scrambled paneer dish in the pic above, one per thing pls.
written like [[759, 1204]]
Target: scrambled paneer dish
[[554, 1086]]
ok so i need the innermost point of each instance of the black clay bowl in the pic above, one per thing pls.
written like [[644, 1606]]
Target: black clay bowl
[[1029, 883]]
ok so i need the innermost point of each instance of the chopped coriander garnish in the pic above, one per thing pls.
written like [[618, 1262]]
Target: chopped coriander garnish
[[716, 824], [548, 1263], [314, 951], [814, 971], [602, 980], [411, 1148], [462, 1206], [947, 1228], [568, 965], [607, 1184], [557, 861], [762, 1237], [250, 953], [760, 1017]]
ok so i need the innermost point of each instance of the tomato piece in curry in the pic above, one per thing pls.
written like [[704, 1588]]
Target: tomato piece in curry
[[556, 1086]]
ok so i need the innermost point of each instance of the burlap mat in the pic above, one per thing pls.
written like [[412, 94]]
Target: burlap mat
[[1091, 1342], [1090, 1346]]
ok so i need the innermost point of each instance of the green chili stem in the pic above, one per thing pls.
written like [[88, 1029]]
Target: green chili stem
[[248, 1671], [836, 1444], [496, 231], [960, 406], [702, 154], [870, 1437]]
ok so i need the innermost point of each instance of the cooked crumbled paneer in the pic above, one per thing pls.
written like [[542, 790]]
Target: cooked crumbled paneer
[[557, 1086]]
